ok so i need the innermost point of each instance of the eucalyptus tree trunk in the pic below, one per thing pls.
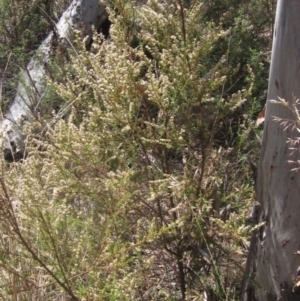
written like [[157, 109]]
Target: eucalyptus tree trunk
[[81, 15], [274, 257]]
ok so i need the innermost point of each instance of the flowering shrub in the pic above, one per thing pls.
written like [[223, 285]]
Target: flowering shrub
[[126, 194]]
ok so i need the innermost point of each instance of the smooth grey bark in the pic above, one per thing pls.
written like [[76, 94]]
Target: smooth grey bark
[[273, 254], [81, 14]]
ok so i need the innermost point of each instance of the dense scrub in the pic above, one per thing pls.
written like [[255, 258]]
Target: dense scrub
[[140, 187]]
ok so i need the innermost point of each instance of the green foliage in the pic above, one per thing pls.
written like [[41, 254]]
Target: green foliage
[[247, 47], [23, 25], [135, 193]]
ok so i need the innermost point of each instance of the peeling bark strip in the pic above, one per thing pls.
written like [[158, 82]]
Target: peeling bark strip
[[81, 14], [276, 262]]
